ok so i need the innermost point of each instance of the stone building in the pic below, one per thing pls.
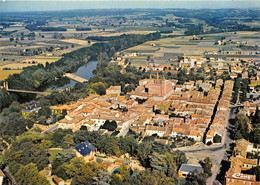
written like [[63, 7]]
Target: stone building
[[158, 89]]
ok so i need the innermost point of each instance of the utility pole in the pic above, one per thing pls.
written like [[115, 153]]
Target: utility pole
[[100, 62]]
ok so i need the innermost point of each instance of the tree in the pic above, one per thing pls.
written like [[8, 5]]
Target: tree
[[143, 152], [45, 111], [110, 145], [123, 171], [217, 139], [61, 171], [241, 126], [110, 126], [128, 144], [99, 88], [57, 137], [196, 179], [46, 143], [29, 175], [179, 158], [103, 178], [42, 120], [163, 163], [207, 165], [13, 124], [68, 141], [62, 157], [116, 179], [256, 117], [161, 148], [81, 172]]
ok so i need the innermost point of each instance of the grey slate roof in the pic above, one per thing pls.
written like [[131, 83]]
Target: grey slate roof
[[85, 148], [31, 108], [190, 168]]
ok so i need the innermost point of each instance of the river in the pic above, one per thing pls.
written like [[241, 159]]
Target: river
[[85, 71]]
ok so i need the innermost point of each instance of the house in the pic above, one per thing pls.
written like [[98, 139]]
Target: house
[[177, 131], [234, 175], [234, 178], [210, 136], [233, 75], [243, 147], [244, 163], [114, 90], [30, 109], [58, 180], [245, 74], [197, 136], [2, 175], [240, 165], [86, 150], [119, 161], [207, 69], [187, 169], [240, 149], [150, 130], [45, 173], [205, 86]]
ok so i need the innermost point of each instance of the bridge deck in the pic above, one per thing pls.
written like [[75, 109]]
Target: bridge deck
[[75, 77], [32, 92]]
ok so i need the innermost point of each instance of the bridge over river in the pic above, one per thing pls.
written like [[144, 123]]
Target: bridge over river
[[31, 92], [75, 77], [68, 75]]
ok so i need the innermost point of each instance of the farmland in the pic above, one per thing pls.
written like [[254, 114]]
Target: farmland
[[5, 73], [47, 39], [187, 46]]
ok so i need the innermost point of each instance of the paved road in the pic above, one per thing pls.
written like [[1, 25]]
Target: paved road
[[216, 153], [222, 153], [124, 130], [50, 129]]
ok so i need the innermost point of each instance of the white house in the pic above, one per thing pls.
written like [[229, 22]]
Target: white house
[[150, 130]]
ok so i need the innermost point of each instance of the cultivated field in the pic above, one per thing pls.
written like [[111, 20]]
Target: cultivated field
[[186, 46], [30, 62], [76, 41], [5, 73], [17, 67]]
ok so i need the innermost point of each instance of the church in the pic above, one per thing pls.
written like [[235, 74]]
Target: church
[[158, 89]]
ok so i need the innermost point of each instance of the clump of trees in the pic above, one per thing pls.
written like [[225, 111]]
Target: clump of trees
[[51, 29], [28, 174], [217, 139], [109, 125], [29, 153], [247, 127]]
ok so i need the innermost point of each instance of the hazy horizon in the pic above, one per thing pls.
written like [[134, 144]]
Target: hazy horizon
[[25, 6]]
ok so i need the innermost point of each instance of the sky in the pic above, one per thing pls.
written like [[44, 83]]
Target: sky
[[50, 5], [141, 0]]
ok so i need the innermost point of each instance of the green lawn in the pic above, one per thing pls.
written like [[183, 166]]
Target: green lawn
[[53, 152]]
